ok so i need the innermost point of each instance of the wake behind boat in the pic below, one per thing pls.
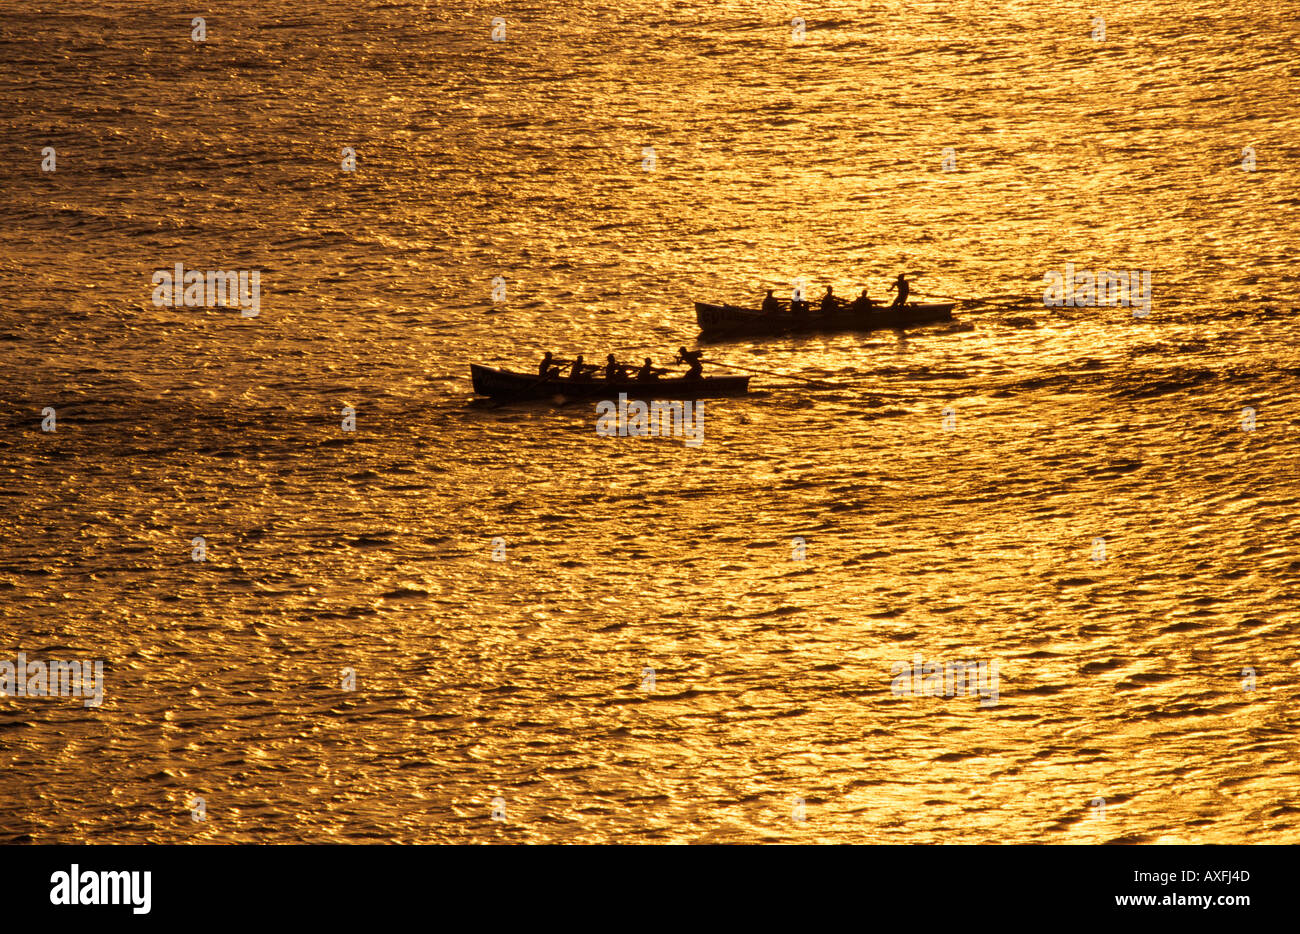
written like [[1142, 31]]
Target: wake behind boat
[[508, 384], [717, 320]]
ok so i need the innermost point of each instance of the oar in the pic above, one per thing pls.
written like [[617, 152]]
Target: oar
[[743, 369], [981, 304]]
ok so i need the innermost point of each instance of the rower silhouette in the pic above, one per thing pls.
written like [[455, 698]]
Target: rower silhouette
[[649, 371], [798, 304], [614, 369], [829, 304], [771, 304], [548, 369], [862, 303], [581, 370]]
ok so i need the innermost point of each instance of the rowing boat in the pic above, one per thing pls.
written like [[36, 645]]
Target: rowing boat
[[731, 319], [505, 383]]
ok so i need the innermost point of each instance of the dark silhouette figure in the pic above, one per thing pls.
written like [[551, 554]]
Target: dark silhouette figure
[[903, 288], [614, 369], [649, 371], [862, 303], [771, 304], [548, 369], [829, 303], [692, 359], [581, 370]]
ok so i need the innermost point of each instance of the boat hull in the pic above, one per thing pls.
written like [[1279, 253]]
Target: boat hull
[[510, 385], [731, 319]]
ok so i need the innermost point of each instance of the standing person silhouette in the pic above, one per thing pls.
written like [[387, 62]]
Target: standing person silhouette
[[903, 288], [692, 359]]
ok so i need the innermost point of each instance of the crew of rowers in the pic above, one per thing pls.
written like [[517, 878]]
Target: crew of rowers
[[831, 303], [551, 367]]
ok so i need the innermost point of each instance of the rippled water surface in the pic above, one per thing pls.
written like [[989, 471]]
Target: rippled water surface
[[524, 679]]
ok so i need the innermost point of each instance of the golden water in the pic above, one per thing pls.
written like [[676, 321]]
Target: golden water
[[949, 493]]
